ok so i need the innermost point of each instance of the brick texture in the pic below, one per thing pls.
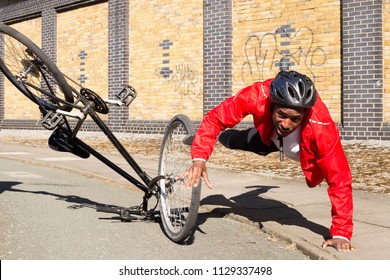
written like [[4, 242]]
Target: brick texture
[[386, 62], [166, 59], [217, 52], [363, 64], [188, 56], [270, 36]]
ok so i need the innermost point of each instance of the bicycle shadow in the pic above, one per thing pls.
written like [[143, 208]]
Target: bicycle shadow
[[77, 201], [249, 205], [6, 186], [257, 209]]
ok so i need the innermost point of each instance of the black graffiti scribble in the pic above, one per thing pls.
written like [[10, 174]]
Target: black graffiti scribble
[[281, 50], [185, 80]]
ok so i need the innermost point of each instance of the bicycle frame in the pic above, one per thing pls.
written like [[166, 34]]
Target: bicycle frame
[[65, 106], [129, 159], [148, 185]]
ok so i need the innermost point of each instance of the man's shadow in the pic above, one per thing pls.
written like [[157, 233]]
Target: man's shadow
[[258, 209], [249, 205]]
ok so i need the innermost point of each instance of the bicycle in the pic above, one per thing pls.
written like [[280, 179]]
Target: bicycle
[[65, 105]]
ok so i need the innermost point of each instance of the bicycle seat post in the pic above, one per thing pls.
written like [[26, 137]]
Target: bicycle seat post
[[85, 111]]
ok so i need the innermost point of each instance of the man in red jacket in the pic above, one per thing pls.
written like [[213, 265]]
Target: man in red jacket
[[289, 117]]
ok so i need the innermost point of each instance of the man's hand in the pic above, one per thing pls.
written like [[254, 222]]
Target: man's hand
[[194, 174], [339, 244]]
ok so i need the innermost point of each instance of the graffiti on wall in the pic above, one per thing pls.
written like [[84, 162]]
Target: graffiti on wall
[[284, 49], [183, 77]]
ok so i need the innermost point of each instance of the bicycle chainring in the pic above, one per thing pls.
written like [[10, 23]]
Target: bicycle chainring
[[99, 105]]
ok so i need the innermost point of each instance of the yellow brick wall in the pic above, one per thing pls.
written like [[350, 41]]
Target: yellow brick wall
[[313, 43], [16, 105], [83, 46], [180, 25], [386, 56]]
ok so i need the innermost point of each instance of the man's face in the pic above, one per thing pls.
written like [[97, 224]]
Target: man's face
[[286, 120]]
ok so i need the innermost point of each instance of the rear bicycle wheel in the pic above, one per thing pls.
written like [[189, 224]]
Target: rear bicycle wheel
[[178, 206], [32, 72]]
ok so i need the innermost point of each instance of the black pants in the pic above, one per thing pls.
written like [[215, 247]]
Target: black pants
[[246, 140]]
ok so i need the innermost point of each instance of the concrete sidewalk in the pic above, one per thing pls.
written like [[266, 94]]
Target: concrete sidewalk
[[280, 206]]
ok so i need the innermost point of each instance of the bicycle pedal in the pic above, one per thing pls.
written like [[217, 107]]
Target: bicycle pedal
[[125, 215], [128, 218], [127, 95], [51, 120]]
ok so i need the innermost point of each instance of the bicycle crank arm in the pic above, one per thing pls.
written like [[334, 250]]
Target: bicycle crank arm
[[113, 102], [129, 214], [79, 115]]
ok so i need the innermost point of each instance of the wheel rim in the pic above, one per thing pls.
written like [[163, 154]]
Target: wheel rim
[[175, 200], [29, 73]]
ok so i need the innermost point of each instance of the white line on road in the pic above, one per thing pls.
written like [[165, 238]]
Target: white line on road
[[21, 174], [14, 153], [59, 158]]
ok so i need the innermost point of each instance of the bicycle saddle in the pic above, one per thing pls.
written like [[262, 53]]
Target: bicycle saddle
[[60, 141]]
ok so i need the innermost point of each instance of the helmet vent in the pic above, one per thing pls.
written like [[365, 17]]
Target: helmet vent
[[279, 94], [309, 93], [292, 93], [301, 87]]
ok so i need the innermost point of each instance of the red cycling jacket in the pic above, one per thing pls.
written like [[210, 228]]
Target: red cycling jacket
[[321, 154]]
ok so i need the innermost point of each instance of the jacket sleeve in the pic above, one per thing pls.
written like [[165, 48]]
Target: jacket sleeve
[[335, 169], [226, 115]]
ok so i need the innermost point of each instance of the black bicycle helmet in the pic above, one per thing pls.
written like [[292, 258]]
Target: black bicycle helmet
[[293, 89]]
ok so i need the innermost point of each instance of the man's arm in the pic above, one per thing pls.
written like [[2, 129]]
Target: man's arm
[[335, 168], [229, 113], [226, 115], [337, 173]]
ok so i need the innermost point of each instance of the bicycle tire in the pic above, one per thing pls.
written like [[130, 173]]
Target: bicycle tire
[[32, 72], [178, 206]]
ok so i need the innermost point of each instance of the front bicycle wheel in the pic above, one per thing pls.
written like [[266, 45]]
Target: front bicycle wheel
[[32, 72], [178, 205]]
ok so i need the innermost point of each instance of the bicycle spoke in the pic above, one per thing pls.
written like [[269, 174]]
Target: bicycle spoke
[[31, 71], [179, 205]]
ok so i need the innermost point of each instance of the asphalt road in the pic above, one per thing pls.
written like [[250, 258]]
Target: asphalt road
[[47, 213]]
